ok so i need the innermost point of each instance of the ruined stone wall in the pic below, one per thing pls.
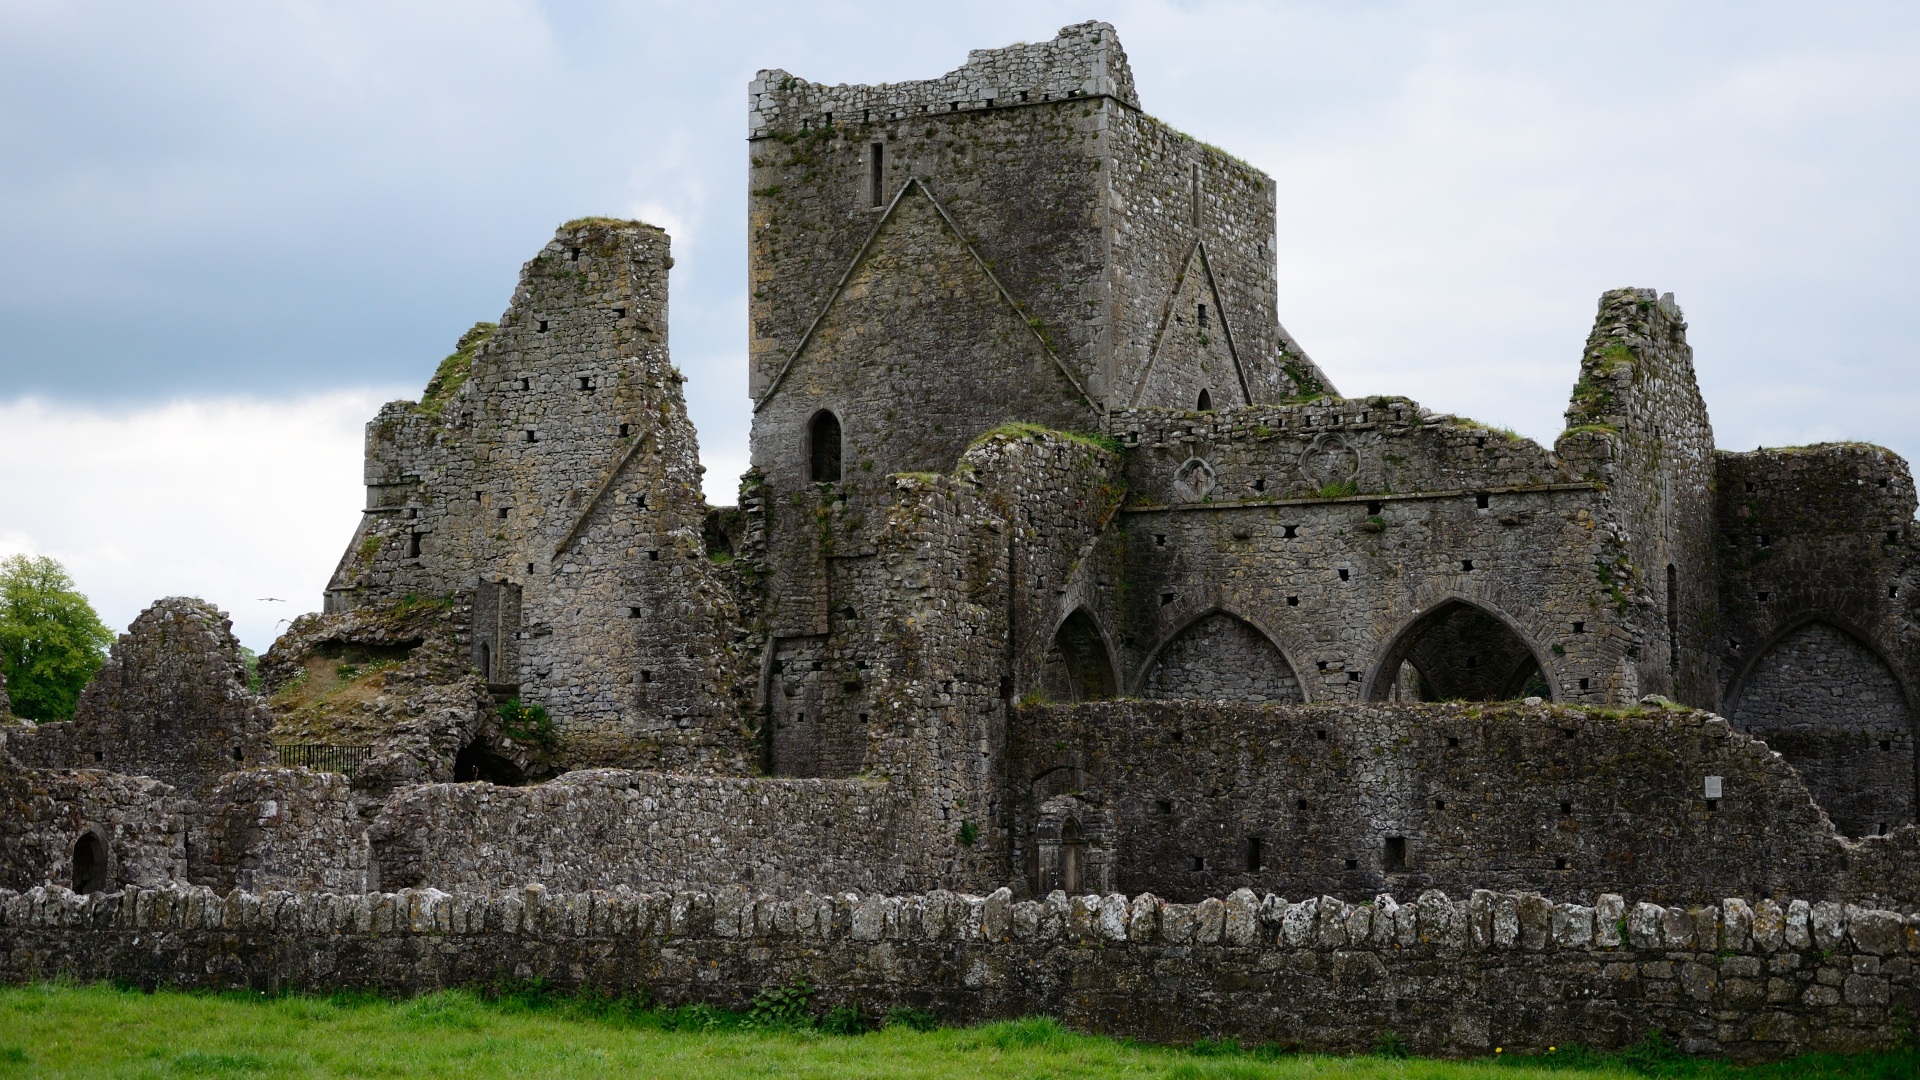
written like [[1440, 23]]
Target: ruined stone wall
[[1637, 422], [1753, 981], [1083, 60], [44, 813], [1816, 555], [1337, 529], [290, 829], [1212, 796], [934, 633], [603, 827], [550, 479], [171, 702], [1194, 302]]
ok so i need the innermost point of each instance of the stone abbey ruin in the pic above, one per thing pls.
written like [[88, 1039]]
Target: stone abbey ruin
[[1068, 621]]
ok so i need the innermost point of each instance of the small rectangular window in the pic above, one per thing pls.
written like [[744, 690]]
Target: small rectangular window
[[1396, 853], [876, 172], [1253, 854]]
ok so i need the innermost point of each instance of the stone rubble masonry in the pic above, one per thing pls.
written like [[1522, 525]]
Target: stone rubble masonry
[[171, 702], [292, 829], [1355, 798], [1817, 586], [44, 813], [1758, 980], [549, 482], [597, 827], [414, 700]]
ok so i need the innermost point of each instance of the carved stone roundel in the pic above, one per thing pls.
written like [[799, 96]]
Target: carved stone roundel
[[1329, 460], [1194, 480]]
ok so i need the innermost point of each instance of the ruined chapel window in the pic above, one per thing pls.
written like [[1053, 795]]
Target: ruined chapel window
[[876, 173], [823, 448], [1205, 403]]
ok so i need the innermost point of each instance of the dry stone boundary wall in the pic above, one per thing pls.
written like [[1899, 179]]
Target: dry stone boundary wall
[[1753, 981]]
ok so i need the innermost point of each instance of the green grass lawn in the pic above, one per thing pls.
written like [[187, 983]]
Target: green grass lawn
[[64, 1030]]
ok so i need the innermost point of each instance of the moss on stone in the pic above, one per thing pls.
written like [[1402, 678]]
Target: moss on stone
[[453, 371]]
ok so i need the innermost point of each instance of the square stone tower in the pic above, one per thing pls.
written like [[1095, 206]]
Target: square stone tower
[[1014, 241]]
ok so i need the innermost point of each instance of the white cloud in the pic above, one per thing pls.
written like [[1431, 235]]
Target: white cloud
[[230, 500]]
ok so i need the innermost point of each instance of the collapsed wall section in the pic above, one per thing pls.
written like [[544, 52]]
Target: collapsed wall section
[[171, 702], [1513, 973], [1637, 422], [549, 484], [1672, 804], [1817, 557]]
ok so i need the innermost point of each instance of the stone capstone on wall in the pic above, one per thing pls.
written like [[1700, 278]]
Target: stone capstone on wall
[[1751, 980]]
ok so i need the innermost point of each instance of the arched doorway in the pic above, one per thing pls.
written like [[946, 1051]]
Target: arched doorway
[[1831, 705], [89, 863], [1221, 657], [1073, 857], [1078, 667], [477, 762], [1459, 651]]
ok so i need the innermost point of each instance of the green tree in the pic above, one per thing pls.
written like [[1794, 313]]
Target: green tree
[[51, 641]]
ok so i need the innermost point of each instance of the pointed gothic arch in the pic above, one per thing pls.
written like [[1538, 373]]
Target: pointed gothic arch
[[1460, 649], [1219, 655], [1078, 665], [1825, 697]]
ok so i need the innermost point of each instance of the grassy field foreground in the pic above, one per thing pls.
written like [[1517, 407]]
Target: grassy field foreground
[[61, 1030]]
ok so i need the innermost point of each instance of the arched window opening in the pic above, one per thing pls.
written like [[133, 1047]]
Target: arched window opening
[[1832, 707], [1077, 666], [1206, 398], [1073, 856], [89, 864], [823, 448], [1221, 657], [1460, 652], [476, 762]]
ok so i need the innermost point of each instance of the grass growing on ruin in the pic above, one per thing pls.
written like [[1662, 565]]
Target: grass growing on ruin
[[61, 1030]]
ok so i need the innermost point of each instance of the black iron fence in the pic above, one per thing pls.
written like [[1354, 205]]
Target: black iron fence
[[324, 757]]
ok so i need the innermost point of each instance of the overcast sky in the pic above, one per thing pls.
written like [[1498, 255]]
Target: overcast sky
[[229, 230]]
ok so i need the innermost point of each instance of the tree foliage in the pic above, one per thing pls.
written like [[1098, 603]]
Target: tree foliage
[[51, 641]]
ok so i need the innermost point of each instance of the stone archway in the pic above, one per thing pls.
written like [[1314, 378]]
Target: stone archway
[[1830, 704], [1460, 651], [1078, 666], [1220, 656]]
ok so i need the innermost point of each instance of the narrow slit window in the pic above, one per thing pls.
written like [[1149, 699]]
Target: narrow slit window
[[1253, 854], [1193, 194], [876, 173], [823, 448], [1673, 619]]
